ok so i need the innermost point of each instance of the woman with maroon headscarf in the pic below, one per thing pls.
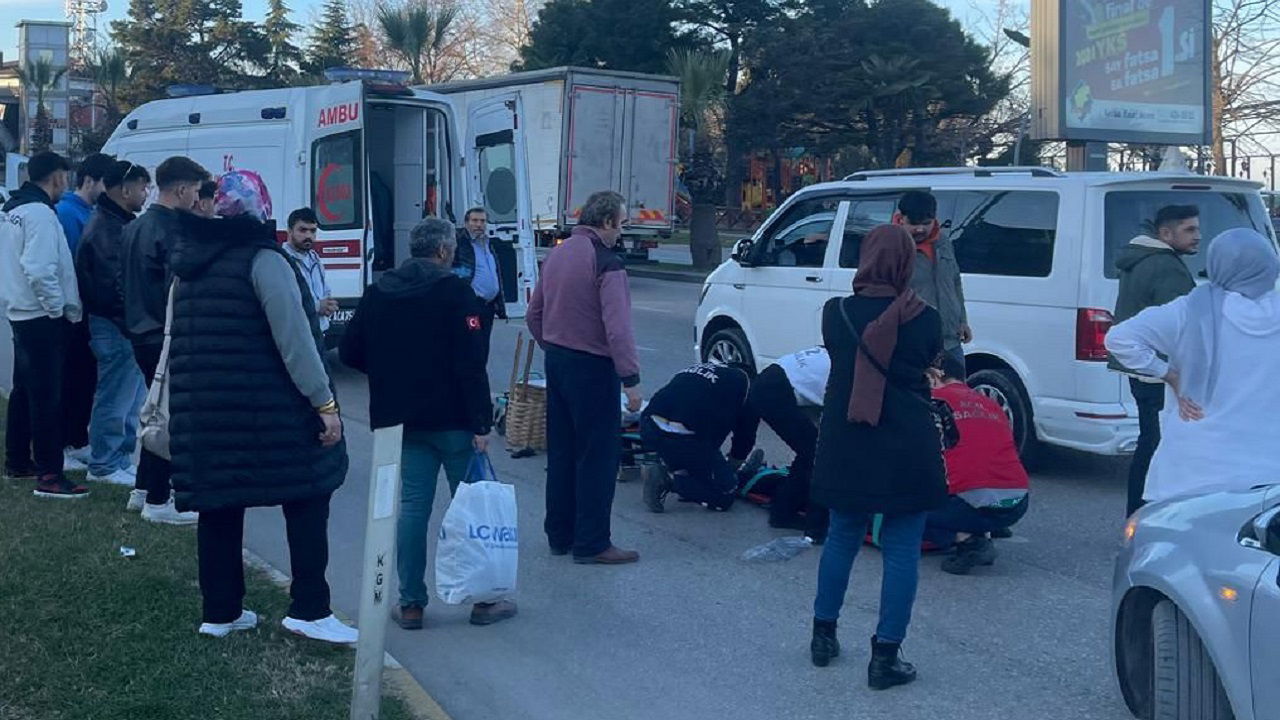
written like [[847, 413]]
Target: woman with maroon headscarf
[[878, 448]]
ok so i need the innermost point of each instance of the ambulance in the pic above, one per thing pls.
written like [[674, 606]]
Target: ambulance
[[369, 154]]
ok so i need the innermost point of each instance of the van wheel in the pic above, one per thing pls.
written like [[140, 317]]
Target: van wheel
[[728, 346], [1003, 387], [1184, 682]]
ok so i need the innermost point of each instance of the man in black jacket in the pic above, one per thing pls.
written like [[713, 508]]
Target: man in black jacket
[[113, 424], [686, 422], [476, 261], [417, 334], [144, 260]]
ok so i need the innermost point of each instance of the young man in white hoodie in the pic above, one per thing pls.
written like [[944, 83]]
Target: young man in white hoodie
[[42, 300]]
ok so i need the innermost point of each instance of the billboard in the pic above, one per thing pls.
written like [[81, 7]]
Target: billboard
[[1123, 70]]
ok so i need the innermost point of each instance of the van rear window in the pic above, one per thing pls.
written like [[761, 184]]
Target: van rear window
[[336, 186], [1129, 213]]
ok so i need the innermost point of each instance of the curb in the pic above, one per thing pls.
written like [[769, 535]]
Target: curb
[[394, 675], [670, 275]]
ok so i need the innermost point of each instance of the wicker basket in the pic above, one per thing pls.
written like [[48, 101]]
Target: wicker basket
[[526, 405]]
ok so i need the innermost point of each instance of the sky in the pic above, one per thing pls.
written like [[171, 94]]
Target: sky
[[11, 11]]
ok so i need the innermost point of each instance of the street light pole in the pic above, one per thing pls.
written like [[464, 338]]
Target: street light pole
[[379, 560]]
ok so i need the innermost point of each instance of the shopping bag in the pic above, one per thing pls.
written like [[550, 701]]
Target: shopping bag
[[476, 557]]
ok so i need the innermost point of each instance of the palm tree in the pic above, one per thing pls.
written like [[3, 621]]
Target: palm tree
[[110, 72], [418, 33], [702, 99], [39, 77]]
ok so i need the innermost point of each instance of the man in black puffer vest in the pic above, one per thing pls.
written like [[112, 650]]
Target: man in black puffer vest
[[253, 417]]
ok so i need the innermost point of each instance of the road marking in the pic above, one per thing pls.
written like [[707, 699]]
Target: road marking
[[647, 348], [653, 309]]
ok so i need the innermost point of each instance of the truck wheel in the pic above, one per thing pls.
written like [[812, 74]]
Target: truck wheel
[[1004, 388], [728, 346], [1185, 684]]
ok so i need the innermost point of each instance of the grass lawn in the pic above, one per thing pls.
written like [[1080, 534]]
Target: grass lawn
[[86, 633]]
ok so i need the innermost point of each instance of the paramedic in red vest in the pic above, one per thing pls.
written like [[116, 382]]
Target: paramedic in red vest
[[787, 396], [985, 478]]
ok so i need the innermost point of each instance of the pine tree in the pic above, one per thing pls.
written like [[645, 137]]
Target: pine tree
[[333, 43], [283, 57], [166, 42]]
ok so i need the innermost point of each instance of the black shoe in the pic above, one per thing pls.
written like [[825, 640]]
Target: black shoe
[[559, 551], [975, 551], [824, 645], [887, 669], [720, 504], [794, 521], [657, 484], [1002, 534], [20, 472]]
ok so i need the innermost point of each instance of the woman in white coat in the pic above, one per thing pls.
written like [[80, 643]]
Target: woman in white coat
[[1222, 344]]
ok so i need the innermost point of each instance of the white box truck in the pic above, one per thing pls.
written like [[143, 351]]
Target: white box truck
[[579, 130], [370, 155]]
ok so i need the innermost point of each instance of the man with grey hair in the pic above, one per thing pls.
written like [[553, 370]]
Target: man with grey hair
[[581, 316], [417, 334]]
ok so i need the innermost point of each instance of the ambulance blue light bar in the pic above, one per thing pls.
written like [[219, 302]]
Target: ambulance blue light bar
[[191, 90], [374, 77]]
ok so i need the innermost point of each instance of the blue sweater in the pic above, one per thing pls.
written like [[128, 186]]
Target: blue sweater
[[73, 213]]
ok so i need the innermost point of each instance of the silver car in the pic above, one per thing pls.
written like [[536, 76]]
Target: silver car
[[1196, 608]]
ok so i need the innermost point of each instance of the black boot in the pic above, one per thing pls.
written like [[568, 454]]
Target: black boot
[[887, 669], [824, 645]]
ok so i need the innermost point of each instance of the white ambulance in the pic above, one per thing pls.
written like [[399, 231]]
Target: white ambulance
[[369, 154]]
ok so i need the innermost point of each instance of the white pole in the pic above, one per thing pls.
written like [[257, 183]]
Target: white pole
[[379, 563]]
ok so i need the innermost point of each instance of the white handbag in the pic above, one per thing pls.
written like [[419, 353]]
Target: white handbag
[[154, 415]]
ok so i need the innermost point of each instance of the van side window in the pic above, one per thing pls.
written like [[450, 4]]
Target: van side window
[[864, 215], [1005, 232], [336, 187], [799, 238]]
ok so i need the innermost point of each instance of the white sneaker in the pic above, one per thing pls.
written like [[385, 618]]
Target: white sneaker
[[329, 629], [75, 460], [137, 500], [168, 514], [248, 620], [115, 477]]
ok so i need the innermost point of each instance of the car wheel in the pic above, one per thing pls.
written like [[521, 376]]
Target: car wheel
[[1185, 684], [1006, 390], [728, 346]]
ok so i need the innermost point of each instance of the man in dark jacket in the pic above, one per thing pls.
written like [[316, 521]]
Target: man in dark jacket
[[477, 262], [417, 333], [936, 278], [253, 417], [144, 264], [113, 424], [686, 423], [1152, 273]]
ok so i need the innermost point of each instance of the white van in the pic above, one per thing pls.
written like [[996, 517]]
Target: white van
[[371, 156], [1037, 249]]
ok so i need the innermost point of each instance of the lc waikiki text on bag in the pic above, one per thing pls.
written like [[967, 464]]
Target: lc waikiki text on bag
[[477, 556]]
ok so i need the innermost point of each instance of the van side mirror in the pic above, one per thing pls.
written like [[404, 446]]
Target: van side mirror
[[1263, 531], [742, 252]]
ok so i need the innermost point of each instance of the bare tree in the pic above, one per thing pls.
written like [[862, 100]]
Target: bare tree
[[504, 27], [1245, 70]]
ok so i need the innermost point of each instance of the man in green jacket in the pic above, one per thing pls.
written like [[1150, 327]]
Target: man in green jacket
[[1152, 273]]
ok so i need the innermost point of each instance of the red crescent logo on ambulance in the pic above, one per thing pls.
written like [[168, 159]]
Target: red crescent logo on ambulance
[[327, 192]]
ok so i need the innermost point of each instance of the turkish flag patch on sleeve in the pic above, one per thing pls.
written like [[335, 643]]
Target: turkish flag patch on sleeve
[[473, 322]]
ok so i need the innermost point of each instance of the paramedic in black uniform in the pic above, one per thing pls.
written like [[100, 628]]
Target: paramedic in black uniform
[[687, 422]]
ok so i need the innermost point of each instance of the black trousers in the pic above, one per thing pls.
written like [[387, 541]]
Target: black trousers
[[34, 430], [220, 537], [154, 472], [1150, 400], [583, 449], [79, 381], [775, 400], [699, 470]]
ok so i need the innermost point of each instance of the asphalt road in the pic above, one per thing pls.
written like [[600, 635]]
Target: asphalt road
[[693, 633]]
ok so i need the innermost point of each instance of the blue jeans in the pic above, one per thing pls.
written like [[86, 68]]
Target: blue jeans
[[900, 537], [421, 456], [113, 425]]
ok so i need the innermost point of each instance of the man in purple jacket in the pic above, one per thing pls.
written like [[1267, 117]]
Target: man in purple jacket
[[581, 316]]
